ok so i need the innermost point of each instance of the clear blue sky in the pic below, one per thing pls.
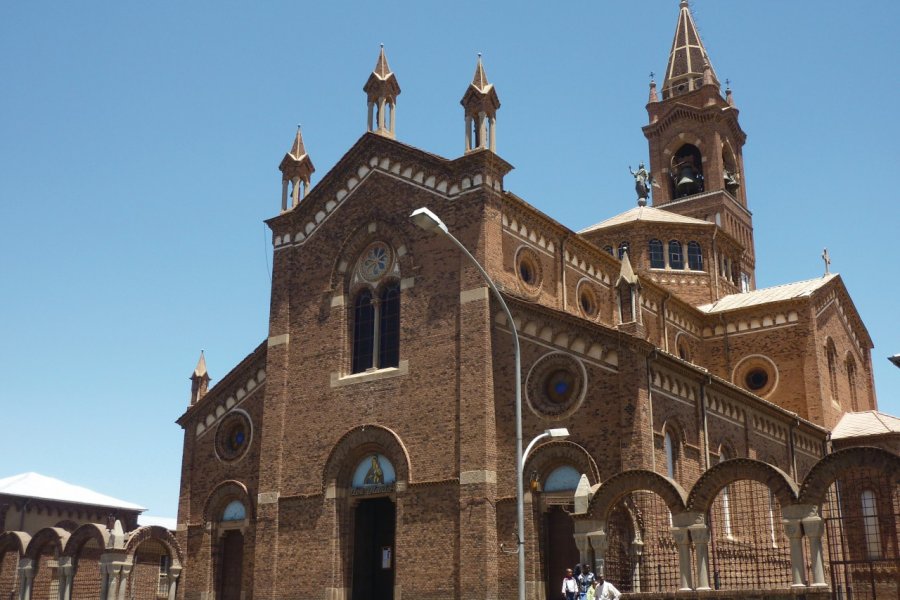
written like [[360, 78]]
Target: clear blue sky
[[139, 145]]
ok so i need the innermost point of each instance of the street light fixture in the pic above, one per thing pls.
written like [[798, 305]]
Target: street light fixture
[[427, 220], [559, 433]]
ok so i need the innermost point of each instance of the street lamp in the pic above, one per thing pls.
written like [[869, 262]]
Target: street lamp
[[429, 221], [556, 434]]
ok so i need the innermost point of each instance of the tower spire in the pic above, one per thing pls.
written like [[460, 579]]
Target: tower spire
[[382, 90], [296, 171], [687, 58], [480, 104]]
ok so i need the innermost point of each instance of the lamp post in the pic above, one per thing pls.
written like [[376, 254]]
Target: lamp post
[[430, 222], [558, 433]]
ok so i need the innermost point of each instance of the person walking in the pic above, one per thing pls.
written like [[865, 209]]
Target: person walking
[[585, 581], [606, 590], [569, 586]]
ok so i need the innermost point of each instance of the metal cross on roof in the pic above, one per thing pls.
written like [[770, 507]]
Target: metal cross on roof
[[652, 75], [827, 259]]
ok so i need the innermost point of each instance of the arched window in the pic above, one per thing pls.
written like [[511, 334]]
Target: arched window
[[695, 257], [363, 331], [610, 250], [657, 258], [235, 511], [562, 479], [676, 256], [389, 346], [623, 248], [671, 455], [831, 358], [851, 381], [870, 524], [726, 500]]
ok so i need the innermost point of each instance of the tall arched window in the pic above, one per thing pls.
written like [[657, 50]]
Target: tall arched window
[[657, 257], [851, 381], [676, 256], [695, 257], [389, 343], [671, 455], [363, 331], [623, 248], [870, 524], [831, 358], [726, 500]]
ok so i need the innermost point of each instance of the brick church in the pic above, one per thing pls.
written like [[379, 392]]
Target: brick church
[[720, 436]]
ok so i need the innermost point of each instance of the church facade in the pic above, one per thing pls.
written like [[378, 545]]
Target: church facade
[[366, 448]]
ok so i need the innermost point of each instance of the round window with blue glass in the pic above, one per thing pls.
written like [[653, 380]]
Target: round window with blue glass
[[233, 436], [556, 385]]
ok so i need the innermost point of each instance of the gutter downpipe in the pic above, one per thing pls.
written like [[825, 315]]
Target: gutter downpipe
[[650, 406]]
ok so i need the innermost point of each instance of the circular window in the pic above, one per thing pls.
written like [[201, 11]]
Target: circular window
[[756, 379], [376, 261], [756, 374], [587, 300], [528, 267], [556, 385], [233, 436]]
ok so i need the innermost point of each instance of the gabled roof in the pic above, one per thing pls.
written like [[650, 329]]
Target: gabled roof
[[35, 485], [778, 293], [866, 423], [648, 214]]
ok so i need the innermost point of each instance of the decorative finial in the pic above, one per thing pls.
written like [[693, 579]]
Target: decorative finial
[[684, 3], [479, 55], [827, 259], [652, 75], [382, 45], [727, 85], [299, 126]]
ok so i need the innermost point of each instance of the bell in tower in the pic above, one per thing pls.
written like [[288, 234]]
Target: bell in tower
[[687, 171]]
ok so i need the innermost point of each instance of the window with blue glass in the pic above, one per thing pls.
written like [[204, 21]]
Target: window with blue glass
[[657, 257], [676, 255], [695, 256]]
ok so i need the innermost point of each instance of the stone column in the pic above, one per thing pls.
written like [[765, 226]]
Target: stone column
[[814, 527], [370, 120], [600, 543], [26, 578], [284, 194], [124, 570], [493, 134], [700, 538], [173, 575], [381, 114], [794, 531], [482, 130], [65, 577], [637, 551], [682, 537]]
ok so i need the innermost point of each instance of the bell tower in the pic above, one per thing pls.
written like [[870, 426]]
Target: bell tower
[[696, 145]]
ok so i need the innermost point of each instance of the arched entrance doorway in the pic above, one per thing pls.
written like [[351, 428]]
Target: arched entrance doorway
[[558, 528], [374, 525]]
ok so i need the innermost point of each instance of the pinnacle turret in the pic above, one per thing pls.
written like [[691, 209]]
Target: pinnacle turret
[[480, 103], [199, 380], [381, 91], [296, 172]]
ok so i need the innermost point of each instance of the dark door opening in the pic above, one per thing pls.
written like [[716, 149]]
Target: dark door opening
[[231, 565], [373, 550], [562, 553]]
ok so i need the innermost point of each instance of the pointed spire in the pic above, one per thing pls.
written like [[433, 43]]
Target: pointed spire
[[200, 369], [199, 380], [480, 80], [298, 150], [480, 104], [382, 70], [626, 273], [687, 58], [296, 173], [381, 91], [653, 95]]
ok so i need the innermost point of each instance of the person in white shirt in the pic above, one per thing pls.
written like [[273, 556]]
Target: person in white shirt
[[605, 590], [569, 586]]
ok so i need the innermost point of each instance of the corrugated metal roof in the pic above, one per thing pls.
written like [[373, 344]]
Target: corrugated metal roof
[[35, 485], [777, 293], [645, 213], [869, 422]]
